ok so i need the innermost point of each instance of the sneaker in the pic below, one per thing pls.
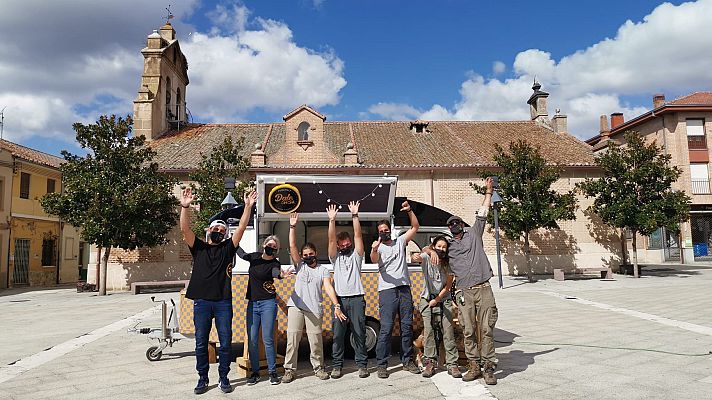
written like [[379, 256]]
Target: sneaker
[[274, 378], [454, 371], [429, 370], [225, 385], [321, 374], [363, 373], [382, 373], [336, 372], [411, 367], [288, 376], [202, 385], [253, 379], [490, 379], [473, 372]]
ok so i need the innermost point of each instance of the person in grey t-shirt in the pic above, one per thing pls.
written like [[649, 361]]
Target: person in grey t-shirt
[[478, 310], [304, 306], [346, 256], [394, 295]]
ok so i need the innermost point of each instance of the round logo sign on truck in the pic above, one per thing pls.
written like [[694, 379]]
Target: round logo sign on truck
[[284, 199]]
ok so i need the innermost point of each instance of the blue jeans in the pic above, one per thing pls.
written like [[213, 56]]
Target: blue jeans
[[203, 313], [398, 300], [262, 313]]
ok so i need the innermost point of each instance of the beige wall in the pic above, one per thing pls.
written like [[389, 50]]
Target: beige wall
[[5, 201]]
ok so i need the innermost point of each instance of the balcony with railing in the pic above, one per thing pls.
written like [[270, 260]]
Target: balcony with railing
[[697, 142], [700, 186]]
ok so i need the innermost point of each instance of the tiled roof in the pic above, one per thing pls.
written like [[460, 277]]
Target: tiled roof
[[31, 155], [382, 144], [693, 98]]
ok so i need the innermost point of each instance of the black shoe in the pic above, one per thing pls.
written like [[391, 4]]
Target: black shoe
[[382, 372], [225, 385], [274, 379], [202, 385], [253, 379]]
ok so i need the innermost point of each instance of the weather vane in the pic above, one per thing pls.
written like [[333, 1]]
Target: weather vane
[[169, 17]]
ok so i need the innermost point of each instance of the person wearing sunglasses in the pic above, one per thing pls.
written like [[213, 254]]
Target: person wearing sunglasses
[[304, 305], [394, 293], [475, 300], [210, 287]]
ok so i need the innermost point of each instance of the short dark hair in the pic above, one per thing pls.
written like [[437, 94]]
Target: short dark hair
[[343, 236], [308, 245], [384, 222]]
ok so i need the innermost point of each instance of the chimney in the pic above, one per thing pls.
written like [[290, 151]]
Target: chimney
[[604, 131], [257, 157], [537, 105], [154, 40], [658, 100], [616, 120], [559, 122], [168, 33], [350, 156]]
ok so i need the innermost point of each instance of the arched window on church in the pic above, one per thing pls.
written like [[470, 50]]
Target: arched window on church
[[168, 98], [303, 130], [179, 104]]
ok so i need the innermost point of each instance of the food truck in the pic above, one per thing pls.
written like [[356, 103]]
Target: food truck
[[310, 195]]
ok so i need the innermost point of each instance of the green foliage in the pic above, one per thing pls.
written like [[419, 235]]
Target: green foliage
[[528, 202], [209, 187], [115, 194], [635, 189]]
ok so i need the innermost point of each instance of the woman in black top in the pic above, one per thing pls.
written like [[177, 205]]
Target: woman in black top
[[262, 307]]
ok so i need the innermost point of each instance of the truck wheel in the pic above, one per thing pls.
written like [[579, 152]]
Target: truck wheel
[[152, 354], [372, 329]]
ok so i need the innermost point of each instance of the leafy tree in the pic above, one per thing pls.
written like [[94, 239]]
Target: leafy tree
[[209, 180], [528, 202], [115, 194], [635, 190]]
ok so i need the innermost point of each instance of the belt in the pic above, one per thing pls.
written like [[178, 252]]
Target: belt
[[479, 285]]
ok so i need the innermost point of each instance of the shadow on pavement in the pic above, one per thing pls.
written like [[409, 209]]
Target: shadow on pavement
[[514, 361]]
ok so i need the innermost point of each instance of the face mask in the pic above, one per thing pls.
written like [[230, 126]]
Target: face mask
[[385, 236], [270, 250], [441, 254], [345, 251], [456, 229], [309, 260], [216, 237]]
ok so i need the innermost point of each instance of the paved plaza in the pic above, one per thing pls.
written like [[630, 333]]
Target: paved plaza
[[646, 338]]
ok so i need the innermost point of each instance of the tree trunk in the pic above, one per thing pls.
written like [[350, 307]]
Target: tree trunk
[[635, 255], [527, 257], [97, 275], [102, 281], [624, 247]]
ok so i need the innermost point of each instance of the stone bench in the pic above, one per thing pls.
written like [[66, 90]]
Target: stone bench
[[606, 272], [136, 286]]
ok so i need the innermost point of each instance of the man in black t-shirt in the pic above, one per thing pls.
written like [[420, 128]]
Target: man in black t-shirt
[[210, 287]]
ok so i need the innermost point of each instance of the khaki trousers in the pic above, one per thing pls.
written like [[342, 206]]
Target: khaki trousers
[[479, 307], [296, 320], [448, 338]]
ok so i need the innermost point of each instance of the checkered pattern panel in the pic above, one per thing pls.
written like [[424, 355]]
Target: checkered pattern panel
[[284, 290]]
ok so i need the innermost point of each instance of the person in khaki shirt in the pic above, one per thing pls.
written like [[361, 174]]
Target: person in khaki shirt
[[475, 300]]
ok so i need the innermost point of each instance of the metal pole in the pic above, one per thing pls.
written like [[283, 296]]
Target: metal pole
[[496, 238]]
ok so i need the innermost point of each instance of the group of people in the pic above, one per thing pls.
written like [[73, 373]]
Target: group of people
[[458, 261]]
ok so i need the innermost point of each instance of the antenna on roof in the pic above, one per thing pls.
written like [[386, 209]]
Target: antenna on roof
[[169, 17], [2, 121]]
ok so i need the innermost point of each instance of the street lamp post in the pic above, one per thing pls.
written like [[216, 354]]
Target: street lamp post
[[496, 199]]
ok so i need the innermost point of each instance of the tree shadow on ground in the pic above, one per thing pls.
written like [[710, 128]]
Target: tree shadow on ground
[[513, 361]]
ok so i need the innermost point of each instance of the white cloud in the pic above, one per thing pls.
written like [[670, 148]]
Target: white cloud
[[236, 65], [395, 111], [498, 67], [669, 50]]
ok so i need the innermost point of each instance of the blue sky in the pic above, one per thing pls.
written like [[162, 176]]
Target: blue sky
[[256, 60]]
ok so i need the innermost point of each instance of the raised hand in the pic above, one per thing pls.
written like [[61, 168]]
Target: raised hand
[[187, 197], [250, 198], [331, 211], [353, 207], [293, 218], [375, 244], [405, 206], [488, 183]]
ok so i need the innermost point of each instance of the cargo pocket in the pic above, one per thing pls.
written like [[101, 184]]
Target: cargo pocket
[[494, 314]]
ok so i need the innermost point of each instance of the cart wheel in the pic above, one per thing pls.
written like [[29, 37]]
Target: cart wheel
[[152, 354]]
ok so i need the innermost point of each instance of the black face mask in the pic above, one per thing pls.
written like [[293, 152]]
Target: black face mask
[[441, 254], [270, 250], [456, 229], [385, 236], [309, 260], [216, 237], [345, 251]]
